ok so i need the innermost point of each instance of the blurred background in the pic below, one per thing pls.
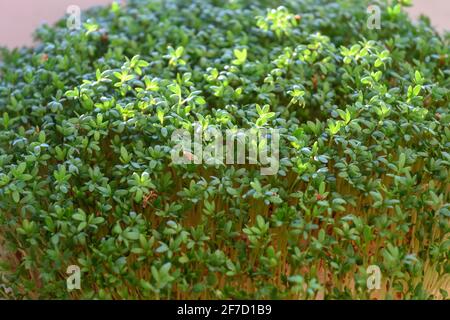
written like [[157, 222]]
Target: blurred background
[[19, 18]]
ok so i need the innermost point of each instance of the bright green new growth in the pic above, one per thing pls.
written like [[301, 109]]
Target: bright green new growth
[[86, 176]]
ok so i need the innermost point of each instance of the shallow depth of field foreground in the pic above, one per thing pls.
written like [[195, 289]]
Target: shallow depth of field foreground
[[358, 207]]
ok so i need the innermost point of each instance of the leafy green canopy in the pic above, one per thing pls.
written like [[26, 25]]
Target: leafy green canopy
[[86, 176]]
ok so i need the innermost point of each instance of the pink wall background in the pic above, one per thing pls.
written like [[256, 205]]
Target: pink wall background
[[19, 18], [437, 10]]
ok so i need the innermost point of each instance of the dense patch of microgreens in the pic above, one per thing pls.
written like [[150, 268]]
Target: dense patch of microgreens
[[86, 176]]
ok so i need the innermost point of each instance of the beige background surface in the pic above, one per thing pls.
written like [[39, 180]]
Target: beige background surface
[[438, 10], [19, 18]]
